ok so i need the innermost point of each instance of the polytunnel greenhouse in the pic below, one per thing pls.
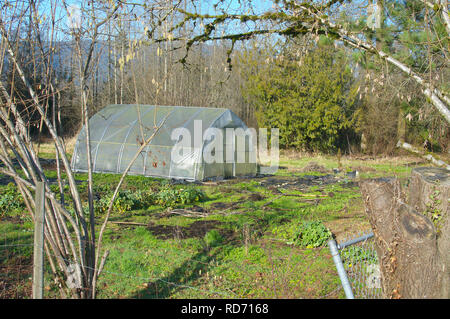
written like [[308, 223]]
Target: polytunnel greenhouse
[[117, 132]]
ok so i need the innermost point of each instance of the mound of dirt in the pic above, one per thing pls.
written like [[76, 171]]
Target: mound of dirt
[[364, 169], [299, 182], [219, 205], [255, 197], [315, 167]]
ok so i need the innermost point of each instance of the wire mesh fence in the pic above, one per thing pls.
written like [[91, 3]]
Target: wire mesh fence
[[359, 260], [173, 271], [202, 275], [16, 264]]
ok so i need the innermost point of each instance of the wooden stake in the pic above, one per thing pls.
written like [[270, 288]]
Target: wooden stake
[[38, 256]]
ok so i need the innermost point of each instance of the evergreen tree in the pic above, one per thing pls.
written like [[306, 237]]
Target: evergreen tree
[[311, 98]]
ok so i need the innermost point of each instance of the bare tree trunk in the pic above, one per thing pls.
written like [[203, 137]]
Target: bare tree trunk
[[122, 55], [412, 239], [429, 193], [115, 70]]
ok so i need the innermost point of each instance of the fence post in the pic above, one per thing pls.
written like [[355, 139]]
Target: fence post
[[340, 269], [38, 255]]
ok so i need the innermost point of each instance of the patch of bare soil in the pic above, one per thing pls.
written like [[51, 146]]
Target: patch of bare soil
[[12, 219], [14, 278], [255, 197], [220, 205], [299, 182], [46, 163], [5, 180], [364, 169], [226, 190], [353, 221], [197, 229]]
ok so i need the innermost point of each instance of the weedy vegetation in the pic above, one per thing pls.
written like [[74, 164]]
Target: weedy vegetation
[[264, 237]]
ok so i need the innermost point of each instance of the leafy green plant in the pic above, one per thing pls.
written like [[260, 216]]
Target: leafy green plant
[[356, 254], [167, 197], [125, 201], [102, 189], [286, 232], [312, 234], [170, 197], [141, 199], [11, 201], [191, 195]]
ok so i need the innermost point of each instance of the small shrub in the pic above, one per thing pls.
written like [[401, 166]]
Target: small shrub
[[286, 232], [312, 234]]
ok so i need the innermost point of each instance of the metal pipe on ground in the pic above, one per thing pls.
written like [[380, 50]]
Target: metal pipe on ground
[[340, 269]]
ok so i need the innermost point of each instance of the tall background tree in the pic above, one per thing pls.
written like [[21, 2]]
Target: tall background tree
[[310, 96]]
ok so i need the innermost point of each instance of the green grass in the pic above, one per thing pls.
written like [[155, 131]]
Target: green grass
[[16, 239], [248, 267], [139, 258], [16, 253], [243, 249]]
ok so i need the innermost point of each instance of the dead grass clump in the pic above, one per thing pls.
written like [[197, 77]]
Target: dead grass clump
[[315, 167]]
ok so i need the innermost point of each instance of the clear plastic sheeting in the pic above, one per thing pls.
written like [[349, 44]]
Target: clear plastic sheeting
[[118, 131]]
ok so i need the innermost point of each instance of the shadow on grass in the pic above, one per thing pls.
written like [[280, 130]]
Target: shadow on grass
[[185, 276]]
